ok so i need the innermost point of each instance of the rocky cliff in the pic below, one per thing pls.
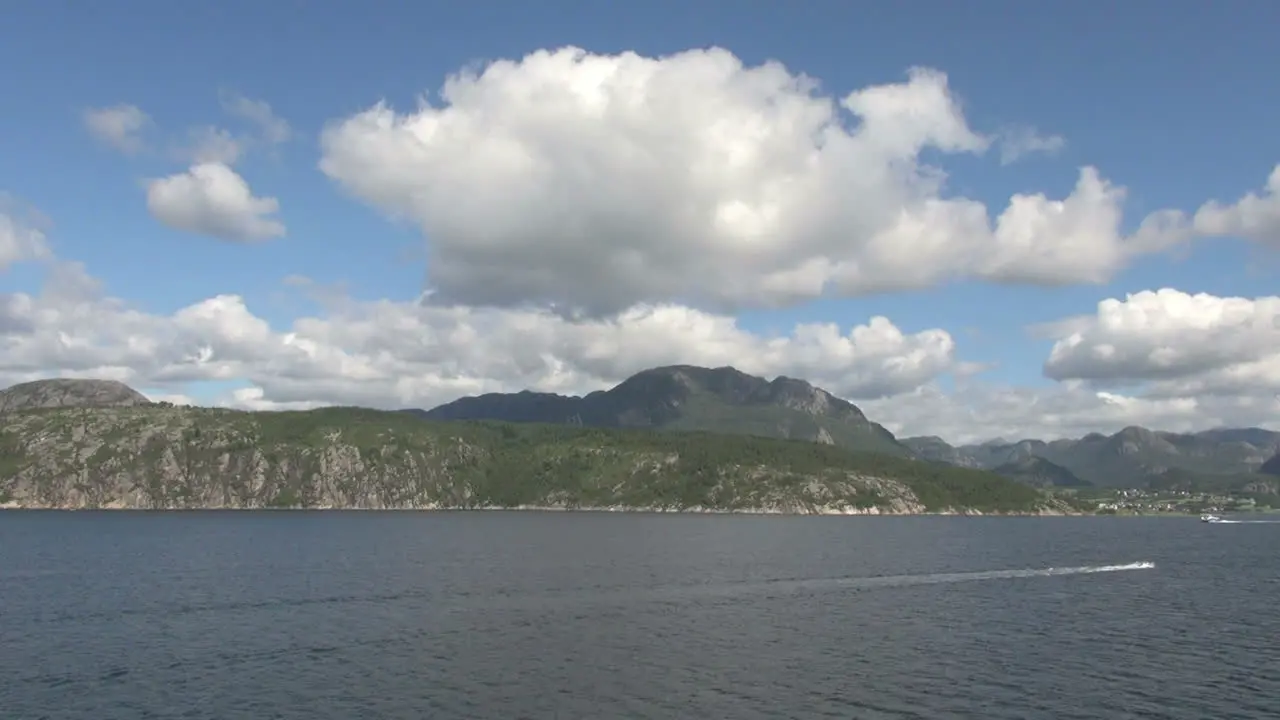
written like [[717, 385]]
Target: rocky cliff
[[159, 456]]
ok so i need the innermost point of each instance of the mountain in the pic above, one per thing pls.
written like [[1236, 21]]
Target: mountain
[[1133, 457], [161, 456], [1039, 472], [1272, 466], [935, 449], [685, 397], [68, 392]]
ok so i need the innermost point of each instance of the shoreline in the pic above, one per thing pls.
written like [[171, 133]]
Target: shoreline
[[824, 512]]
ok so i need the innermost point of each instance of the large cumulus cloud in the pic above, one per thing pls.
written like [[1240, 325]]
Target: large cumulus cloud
[[1185, 345], [595, 182]]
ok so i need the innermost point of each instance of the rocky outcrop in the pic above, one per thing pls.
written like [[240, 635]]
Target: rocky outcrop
[[160, 456], [69, 392]]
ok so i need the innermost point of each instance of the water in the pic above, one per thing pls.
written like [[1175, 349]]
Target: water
[[108, 616]]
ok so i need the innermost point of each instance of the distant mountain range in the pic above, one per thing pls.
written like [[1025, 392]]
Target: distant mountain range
[[726, 400], [1133, 457]]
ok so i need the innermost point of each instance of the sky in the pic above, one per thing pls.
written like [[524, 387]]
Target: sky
[[973, 221]]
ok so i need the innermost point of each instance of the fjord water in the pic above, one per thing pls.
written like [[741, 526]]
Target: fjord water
[[327, 615]]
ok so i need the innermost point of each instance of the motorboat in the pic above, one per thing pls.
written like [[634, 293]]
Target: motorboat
[[1210, 518]]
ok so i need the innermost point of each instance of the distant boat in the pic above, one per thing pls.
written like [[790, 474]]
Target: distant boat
[[1210, 518]]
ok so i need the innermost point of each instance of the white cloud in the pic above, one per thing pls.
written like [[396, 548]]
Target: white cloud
[[1020, 141], [216, 144], [594, 183], [399, 354], [120, 126], [211, 144], [1188, 363], [1255, 217], [1185, 344], [272, 129], [409, 354], [978, 412], [1061, 241], [212, 199], [18, 241]]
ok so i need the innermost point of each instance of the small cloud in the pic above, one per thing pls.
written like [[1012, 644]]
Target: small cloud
[[274, 129], [966, 369], [212, 199], [20, 240], [1021, 141], [120, 126], [1056, 329], [210, 144]]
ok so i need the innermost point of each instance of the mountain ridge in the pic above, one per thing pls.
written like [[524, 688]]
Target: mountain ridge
[[161, 456], [1132, 457], [727, 401], [689, 397], [1040, 472]]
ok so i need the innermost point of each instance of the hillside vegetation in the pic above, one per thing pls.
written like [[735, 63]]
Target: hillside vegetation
[[160, 456]]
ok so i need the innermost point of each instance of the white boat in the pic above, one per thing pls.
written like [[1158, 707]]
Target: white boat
[[1210, 518]]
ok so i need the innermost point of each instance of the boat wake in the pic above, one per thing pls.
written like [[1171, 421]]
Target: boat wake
[[784, 586], [1221, 521], [934, 578]]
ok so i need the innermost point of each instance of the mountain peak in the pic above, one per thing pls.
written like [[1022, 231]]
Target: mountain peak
[[1035, 470], [689, 397], [70, 392], [1135, 432], [800, 395]]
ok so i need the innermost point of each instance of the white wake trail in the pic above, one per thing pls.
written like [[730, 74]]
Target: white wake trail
[[934, 578], [768, 587], [1245, 522]]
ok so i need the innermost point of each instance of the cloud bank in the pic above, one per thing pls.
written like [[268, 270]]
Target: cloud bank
[[587, 216]]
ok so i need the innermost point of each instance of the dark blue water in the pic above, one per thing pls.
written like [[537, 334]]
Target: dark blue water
[[115, 615]]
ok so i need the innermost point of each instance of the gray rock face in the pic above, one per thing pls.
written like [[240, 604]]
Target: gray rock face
[[1271, 467], [69, 392], [163, 457]]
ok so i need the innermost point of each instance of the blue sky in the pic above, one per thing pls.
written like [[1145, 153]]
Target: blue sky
[[1175, 101]]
